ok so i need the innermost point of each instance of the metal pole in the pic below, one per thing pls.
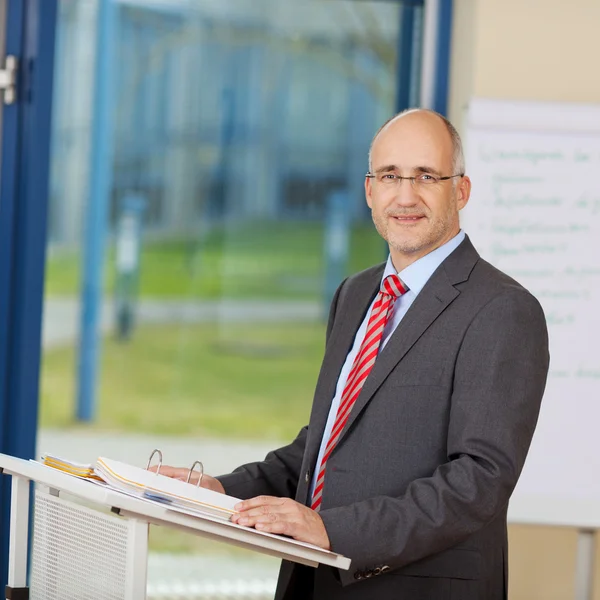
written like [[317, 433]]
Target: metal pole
[[428, 62], [409, 54], [96, 214], [337, 243], [442, 66], [584, 568], [137, 559], [19, 536]]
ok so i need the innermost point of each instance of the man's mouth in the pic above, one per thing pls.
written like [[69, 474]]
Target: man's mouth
[[407, 218]]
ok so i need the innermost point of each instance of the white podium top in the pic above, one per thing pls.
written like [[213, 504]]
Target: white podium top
[[159, 514]]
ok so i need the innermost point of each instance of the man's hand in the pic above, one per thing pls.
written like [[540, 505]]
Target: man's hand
[[208, 482], [283, 515]]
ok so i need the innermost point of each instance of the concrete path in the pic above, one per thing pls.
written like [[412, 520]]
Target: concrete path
[[217, 456], [61, 315]]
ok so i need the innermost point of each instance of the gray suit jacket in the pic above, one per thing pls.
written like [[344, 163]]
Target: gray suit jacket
[[416, 490]]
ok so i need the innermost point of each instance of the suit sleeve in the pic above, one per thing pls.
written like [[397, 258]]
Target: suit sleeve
[[499, 380], [279, 472]]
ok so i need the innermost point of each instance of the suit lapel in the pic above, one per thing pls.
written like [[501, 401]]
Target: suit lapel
[[438, 293]]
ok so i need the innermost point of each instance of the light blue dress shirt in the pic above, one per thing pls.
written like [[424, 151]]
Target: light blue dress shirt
[[415, 276]]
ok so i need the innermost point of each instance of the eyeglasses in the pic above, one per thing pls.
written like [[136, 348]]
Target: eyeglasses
[[423, 179]]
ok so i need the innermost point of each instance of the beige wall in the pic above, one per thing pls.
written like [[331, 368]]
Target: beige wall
[[547, 50], [462, 59], [525, 50]]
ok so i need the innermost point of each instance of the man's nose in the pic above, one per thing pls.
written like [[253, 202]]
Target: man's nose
[[405, 194]]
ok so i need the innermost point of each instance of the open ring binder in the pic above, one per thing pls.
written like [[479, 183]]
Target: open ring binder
[[189, 476], [177, 493]]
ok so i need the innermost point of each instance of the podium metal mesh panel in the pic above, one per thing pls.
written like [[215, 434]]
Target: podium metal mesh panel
[[78, 553]]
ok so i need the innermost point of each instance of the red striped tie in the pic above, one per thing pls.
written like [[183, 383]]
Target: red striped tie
[[391, 289]]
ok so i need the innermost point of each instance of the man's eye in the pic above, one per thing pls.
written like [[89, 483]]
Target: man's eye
[[426, 177], [388, 177]]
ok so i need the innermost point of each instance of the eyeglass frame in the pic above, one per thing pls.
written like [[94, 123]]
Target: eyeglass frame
[[413, 179]]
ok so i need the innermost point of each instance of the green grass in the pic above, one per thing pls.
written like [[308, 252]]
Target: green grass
[[234, 381], [276, 260]]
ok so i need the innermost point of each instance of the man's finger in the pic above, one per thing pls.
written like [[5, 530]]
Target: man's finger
[[258, 501], [280, 527], [285, 521], [266, 509], [255, 516]]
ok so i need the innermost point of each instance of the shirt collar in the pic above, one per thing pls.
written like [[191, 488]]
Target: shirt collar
[[416, 275]]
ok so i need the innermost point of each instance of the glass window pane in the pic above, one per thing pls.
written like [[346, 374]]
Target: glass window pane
[[241, 133]]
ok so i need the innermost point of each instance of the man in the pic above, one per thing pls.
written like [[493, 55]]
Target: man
[[425, 406]]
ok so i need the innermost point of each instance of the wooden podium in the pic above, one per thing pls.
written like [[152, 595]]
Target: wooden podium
[[91, 541]]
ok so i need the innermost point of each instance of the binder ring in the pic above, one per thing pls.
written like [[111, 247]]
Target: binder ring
[[196, 462], [155, 451]]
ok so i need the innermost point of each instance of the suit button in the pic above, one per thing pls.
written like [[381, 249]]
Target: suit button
[[369, 574], [385, 569], [377, 571], [307, 476], [359, 575]]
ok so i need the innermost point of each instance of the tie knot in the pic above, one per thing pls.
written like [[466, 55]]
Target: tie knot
[[393, 286]]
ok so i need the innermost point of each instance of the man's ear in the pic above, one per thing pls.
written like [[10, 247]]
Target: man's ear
[[368, 190], [463, 192]]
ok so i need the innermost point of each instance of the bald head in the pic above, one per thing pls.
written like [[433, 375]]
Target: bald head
[[416, 218], [431, 124]]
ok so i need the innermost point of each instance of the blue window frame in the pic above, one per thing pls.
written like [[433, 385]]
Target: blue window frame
[[30, 27]]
